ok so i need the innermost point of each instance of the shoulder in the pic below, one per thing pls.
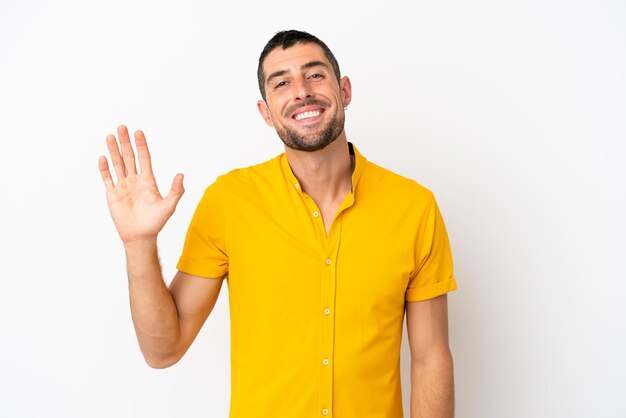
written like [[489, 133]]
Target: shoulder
[[380, 180], [243, 179]]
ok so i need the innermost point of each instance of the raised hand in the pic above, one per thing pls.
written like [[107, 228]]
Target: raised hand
[[138, 209]]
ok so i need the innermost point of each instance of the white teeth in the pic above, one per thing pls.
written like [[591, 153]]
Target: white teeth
[[310, 114]]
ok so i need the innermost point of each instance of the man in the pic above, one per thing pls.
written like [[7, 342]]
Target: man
[[323, 252]]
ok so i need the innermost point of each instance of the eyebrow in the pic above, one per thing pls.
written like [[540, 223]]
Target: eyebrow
[[305, 66]]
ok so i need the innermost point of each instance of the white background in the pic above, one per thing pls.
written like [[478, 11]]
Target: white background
[[512, 112]]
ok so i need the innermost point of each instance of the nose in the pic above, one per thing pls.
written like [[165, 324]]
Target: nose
[[303, 89]]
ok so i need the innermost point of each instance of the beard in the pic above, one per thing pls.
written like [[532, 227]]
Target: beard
[[314, 140]]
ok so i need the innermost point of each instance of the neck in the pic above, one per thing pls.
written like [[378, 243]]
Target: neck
[[325, 175]]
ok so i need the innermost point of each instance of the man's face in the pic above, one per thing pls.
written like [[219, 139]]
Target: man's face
[[304, 100]]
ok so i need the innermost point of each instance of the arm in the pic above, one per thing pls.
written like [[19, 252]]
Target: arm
[[432, 382], [166, 321]]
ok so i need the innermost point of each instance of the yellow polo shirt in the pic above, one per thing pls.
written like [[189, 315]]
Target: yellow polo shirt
[[316, 320]]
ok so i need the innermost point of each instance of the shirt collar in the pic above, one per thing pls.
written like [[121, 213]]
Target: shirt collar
[[359, 165]]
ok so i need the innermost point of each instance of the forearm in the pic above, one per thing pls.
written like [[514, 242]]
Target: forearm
[[432, 388], [153, 309]]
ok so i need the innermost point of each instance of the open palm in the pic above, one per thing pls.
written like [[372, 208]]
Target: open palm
[[138, 209]]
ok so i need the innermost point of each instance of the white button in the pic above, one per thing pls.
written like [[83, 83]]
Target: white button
[[297, 186], [324, 411], [316, 214], [328, 261], [326, 311], [325, 362]]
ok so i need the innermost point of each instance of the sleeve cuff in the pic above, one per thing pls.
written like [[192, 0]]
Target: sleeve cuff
[[432, 291], [201, 270]]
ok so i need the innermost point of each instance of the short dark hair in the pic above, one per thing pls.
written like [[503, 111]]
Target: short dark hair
[[286, 39]]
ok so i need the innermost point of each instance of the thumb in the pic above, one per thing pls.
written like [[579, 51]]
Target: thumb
[[177, 189]]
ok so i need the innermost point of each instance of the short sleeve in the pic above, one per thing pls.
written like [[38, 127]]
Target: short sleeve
[[204, 252], [433, 275]]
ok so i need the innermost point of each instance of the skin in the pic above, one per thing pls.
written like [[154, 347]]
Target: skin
[[432, 377], [167, 320], [325, 174]]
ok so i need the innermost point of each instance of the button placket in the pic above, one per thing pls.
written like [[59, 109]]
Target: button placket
[[327, 335], [329, 277]]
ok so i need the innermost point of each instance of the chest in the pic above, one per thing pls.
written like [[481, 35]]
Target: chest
[[294, 264]]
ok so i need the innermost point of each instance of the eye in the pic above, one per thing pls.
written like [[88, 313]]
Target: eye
[[316, 76], [280, 84]]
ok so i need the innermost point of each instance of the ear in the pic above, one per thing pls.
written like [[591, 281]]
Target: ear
[[346, 90], [265, 112]]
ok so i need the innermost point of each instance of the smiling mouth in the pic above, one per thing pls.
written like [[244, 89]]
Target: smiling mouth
[[307, 115]]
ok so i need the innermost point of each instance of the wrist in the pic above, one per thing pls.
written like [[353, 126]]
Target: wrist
[[141, 245]]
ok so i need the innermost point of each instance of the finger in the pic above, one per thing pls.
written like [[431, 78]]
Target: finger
[[143, 154], [127, 150], [176, 191], [103, 165], [116, 158]]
